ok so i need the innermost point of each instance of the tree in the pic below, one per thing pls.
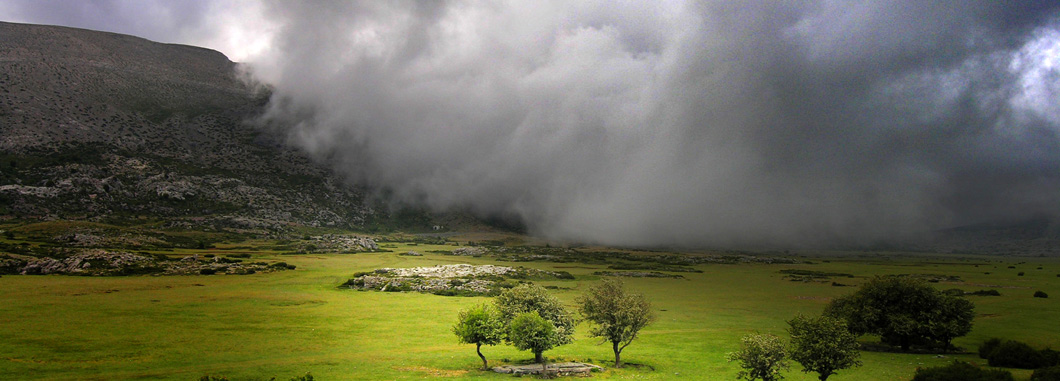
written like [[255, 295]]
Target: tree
[[618, 315], [823, 345], [762, 357], [480, 325], [903, 311], [952, 319], [533, 298], [531, 332]]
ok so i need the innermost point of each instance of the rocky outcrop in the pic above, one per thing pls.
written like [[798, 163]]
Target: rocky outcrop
[[556, 369], [95, 124], [469, 251], [459, 279], [337, 243], [108, 263], [448, 271]]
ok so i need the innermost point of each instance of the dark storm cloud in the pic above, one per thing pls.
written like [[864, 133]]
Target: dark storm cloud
[[684, 123], [666, 122]]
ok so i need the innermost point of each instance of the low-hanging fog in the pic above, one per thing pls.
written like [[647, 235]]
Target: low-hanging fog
[[682, 123]]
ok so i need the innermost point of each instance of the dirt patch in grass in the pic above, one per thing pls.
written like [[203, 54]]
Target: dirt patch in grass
[[433, 372]]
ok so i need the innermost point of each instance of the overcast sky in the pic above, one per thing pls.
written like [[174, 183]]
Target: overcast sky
[[655, 122]]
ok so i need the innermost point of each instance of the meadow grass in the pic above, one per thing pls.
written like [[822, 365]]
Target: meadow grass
[[284, 324]]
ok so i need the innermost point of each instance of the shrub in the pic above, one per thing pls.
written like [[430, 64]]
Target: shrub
[[954, 292], [961, 371], [1040, 294], [307, 377], [564, 275], [1051, 373], [1019, 273], [1015, 354], [1050, 357], [988, 347]]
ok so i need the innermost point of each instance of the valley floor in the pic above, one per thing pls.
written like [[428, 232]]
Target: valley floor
[[285, 324]]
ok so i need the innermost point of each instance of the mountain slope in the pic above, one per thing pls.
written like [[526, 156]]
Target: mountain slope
[[102, 126]]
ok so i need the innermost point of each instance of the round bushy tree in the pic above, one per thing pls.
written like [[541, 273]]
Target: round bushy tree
[[618, 315], [762, 357], [530, 332], [480, 325], [823, 345], [532, 298], [903, 311]]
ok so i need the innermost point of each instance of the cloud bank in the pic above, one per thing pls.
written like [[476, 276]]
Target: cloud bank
[[687, 123], [674, 122]]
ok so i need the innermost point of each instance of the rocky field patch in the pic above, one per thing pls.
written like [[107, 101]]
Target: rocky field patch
[[450, 280]]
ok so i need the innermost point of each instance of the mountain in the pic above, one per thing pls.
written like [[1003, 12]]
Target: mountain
[[106, 127]]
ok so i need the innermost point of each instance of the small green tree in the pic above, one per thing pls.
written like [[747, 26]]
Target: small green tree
[[823, 345], [762, 357], [531, 332], [480, 325], [533, 298], [618, 315]]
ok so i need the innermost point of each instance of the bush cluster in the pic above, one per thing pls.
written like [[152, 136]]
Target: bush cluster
[[961, 371], [1015, 354], [1051, 373]]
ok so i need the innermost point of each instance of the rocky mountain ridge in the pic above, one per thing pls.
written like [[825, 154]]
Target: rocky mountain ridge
[[105, 127]]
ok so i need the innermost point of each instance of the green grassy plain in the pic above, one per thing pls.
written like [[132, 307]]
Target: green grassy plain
[[284, 324]]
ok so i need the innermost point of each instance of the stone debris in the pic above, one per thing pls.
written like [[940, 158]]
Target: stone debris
[[107, 263], [555, 369], [448, 279], [337, 243], [469, 251], [448, 271]]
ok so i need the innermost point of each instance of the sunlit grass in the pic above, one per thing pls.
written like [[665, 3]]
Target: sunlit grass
[[288, 323]]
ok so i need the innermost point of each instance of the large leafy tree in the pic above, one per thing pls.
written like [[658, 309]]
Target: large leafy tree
[[823, 345], [530, 332], [903, 311], [762, 357], [532, 298], [618, 315], [953, 319], [480, 325]]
